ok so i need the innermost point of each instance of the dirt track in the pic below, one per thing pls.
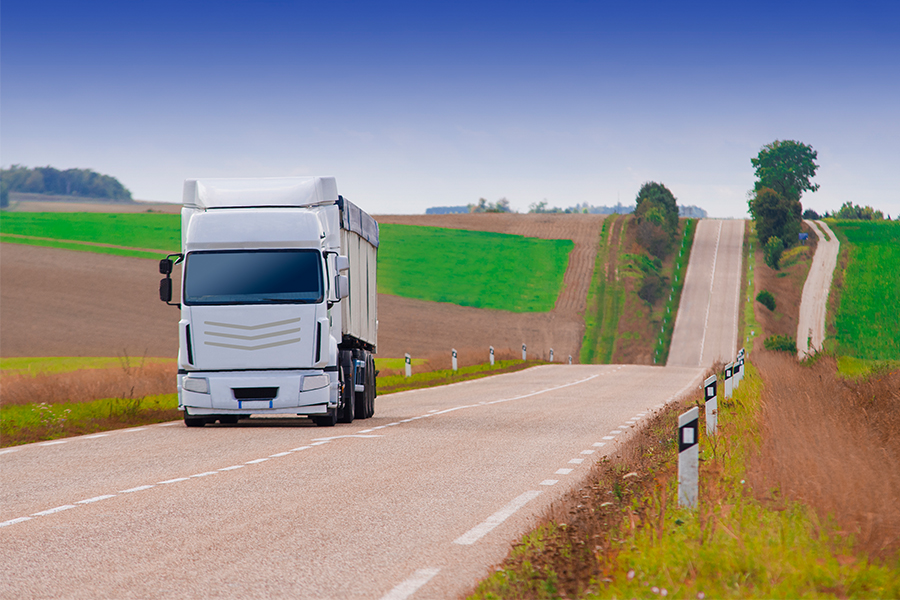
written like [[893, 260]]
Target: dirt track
[[66, 303]]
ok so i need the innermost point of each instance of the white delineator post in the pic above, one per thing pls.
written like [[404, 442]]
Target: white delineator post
[[570, 359], [408, 366], [492, 356], [551, 354], [455, 364], [688, 458], [729, 374], [740, 374], [712, 405], [524, 354]]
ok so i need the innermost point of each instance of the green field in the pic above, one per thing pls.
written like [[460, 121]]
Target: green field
[[469, 268], [132, 230], [866, 322], [472, 268]]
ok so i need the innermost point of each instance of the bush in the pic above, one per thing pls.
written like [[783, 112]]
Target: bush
[[782, 343], [652, 287], [773, 249], [766, 299]]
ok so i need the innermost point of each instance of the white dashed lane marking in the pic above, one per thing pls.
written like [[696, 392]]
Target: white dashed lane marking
[[410, 586], [587, 451], [550, 482], [563, 471], [576, 461], [482, 529]]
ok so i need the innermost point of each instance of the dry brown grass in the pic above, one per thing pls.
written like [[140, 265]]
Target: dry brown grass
[[834, 445], [88, 384]]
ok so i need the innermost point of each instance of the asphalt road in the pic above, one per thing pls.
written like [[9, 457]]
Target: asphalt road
[[418, 501], [814, 302], [706, 328]]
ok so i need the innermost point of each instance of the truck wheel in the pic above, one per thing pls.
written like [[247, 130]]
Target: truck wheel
[[371, 389], [328, 420], [361, 398], [348, 406], [193, 421]]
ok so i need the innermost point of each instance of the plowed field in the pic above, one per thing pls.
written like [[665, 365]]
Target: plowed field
[[66, 303]]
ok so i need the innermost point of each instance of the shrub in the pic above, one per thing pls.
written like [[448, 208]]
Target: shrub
[[773, 249], [652, 287], [782, 343], [766, 299]]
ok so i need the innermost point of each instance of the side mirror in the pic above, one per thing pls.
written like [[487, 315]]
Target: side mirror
[[165, 266], [341, 263], [165, 287], [342, 286]]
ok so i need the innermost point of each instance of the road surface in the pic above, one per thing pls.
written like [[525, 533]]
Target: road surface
[[814, 302], [418, 501], [706, 328]]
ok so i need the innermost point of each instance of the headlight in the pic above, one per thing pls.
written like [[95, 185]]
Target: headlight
[[196, 384], [313, 382]]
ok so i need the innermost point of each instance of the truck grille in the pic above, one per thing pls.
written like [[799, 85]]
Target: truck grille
[[255, 393]]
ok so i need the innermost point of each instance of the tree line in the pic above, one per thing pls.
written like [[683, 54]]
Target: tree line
[[83, 183]]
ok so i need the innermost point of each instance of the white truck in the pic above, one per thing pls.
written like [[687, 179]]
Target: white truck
[[278, 301]]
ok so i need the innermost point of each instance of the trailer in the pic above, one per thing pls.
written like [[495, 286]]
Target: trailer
[[278, 301]]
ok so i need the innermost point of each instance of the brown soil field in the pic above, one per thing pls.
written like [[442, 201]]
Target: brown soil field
[[430, 329], [65, 303]]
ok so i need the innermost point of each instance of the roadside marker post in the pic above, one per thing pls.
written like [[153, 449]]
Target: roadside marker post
[[408, 366], [551, 354], [455, 363], [570, 359], [524, 355], [492, 356], [712, 405], [688, 458], [729, 373], [736, 375]]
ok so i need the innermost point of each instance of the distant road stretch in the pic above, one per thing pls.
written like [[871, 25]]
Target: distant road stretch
[[814, 303], [417, 502], [706, 328]]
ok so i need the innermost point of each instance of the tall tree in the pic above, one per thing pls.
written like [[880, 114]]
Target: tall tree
[[786, 167], [775, 216]]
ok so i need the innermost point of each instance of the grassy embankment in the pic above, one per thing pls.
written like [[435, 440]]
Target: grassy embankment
[[615, 316], [605, 296], [669, 309], [68, 396], [774, 517]]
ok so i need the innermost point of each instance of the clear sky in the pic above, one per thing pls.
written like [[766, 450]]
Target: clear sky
[[418, 104]]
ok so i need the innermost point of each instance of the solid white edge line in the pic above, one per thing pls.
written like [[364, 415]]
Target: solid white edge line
[[96, 499], [50, 511], [95, 436], [53, 443], [205, 474], [410, 586], [256, 461], [8, 450], [176, 480], [279, 454], [232, 468], [14, 521], [486, 526], [301, 448], [133, 430]]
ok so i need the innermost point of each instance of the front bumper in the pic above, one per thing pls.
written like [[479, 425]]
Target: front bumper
[[259, 392]]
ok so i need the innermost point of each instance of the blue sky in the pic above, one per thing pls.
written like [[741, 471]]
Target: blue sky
[[412, 105]]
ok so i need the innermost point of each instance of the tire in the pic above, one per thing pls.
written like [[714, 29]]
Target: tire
[[194, 421], [361, 399], [329, 420], [371, 386], [347, 410]]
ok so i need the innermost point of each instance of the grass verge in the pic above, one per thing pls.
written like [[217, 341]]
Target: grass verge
[[606, 295], [24, 424], [388, 384], [670, 308]]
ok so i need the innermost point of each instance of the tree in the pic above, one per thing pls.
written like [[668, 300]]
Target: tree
[[657, 196], [864, 213], [772, 250], [502, 206], [775, 216], [786, 167]]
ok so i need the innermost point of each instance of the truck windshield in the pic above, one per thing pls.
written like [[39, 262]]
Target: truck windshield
[[253, 277]]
